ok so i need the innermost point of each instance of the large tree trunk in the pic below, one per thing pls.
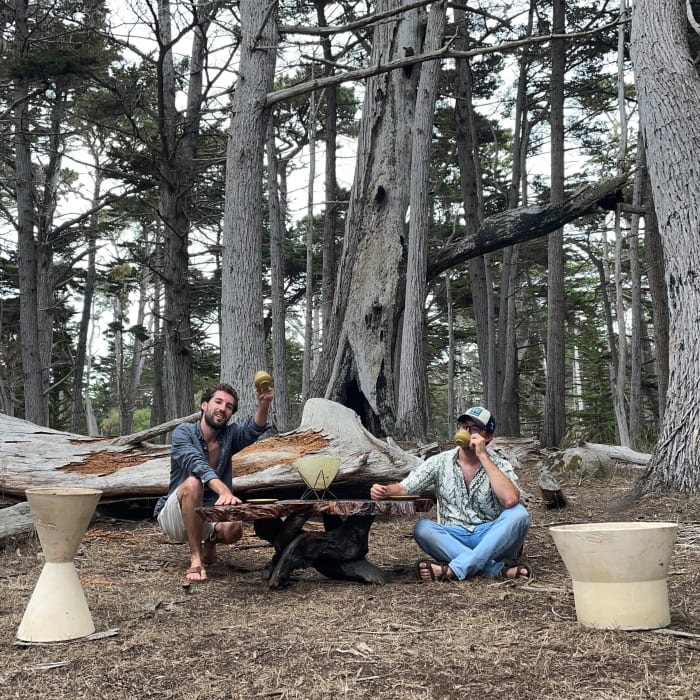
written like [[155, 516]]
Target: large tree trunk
[[669, 101], [357, 366], [178, 153], [554, 415], [412, 419], [243, 333]]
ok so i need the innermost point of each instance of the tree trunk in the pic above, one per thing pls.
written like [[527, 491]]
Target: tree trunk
[[78, 415], [35, 400], [243, 333], [46, 194], [619, 385], [357, 366], [654, 256], [412, 418], [451, 403], [277, 239], [331, 182], [309, 296], [470, 184], [138, 355], [635, 274], [506, 401], [158, 412], [669, 102], [174, 211], [554, 418]]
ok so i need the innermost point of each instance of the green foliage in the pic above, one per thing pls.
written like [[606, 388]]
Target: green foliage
[[61, 63], [109, 426]]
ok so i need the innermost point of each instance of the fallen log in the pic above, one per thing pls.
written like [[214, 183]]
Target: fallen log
[[31, 455], [144, 436], [15, 520], [638, 460]]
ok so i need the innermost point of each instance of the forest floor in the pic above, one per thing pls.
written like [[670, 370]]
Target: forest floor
[[320, 639]]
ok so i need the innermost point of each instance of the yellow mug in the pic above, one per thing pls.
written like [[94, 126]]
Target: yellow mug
[[463, 438], [262, 380]]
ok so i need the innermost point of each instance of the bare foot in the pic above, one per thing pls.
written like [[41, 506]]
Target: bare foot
[[195, 574]]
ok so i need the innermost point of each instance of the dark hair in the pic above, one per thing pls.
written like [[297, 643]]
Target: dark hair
[[211, 390]]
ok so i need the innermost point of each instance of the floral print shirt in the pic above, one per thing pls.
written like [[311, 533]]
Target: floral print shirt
[[458, 503]]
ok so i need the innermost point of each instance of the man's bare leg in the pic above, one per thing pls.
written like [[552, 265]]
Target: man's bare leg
[[226, 533], [209, 549], [189, 494]]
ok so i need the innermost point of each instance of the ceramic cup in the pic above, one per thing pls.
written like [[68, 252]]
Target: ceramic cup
[[262, 380], [462, 438]]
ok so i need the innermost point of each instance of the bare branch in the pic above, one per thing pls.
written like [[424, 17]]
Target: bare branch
[[444, 52], [359, 24], [270, 9]]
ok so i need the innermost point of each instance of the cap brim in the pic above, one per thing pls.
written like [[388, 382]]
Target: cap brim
[[464, 417]]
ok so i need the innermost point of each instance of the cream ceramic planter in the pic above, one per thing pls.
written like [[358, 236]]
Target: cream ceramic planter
[[618, 571], [57, 610]]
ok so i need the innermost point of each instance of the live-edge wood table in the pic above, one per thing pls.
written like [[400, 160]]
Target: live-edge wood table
[[337, 552]]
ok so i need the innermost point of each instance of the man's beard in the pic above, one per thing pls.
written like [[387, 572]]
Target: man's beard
[[213, 422]]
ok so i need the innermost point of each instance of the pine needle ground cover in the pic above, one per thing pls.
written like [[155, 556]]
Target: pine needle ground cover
[[234, 638]]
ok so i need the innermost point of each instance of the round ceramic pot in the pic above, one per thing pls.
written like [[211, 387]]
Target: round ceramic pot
[[618, 571]]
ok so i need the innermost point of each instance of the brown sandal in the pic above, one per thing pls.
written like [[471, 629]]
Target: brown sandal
[[445, 573], [529, 574]]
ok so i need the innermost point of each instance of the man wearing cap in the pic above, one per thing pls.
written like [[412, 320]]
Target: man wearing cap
[[482, 522]]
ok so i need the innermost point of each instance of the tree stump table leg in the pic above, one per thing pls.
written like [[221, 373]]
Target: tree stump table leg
[[338, 553], [279, 533]]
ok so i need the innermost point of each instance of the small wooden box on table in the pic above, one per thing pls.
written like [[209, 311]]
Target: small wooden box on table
[[338, 551]]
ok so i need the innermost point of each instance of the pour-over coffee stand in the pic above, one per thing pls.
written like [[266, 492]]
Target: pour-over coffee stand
[[317, 472]]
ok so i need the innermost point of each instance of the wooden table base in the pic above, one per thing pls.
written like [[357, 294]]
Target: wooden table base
[[337, 552]]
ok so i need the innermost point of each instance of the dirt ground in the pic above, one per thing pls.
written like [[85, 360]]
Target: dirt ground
[[319, 639]]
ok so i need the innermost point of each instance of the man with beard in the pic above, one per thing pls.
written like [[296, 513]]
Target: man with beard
[[201, 474]]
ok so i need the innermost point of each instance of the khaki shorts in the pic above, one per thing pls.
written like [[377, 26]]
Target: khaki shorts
[[172, 523]]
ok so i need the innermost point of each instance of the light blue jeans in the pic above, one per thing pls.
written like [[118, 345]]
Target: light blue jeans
[[480, 551]]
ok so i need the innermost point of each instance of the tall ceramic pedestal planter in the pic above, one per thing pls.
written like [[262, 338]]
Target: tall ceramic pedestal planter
[[57, 610], [618, 571]]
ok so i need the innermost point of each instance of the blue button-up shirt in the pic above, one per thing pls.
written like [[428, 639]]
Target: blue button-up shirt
[[189, 456]]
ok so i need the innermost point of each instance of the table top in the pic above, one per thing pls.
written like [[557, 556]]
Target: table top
[[311, 507]]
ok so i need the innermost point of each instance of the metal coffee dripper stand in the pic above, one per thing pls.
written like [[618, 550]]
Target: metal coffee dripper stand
[[318, 473]]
